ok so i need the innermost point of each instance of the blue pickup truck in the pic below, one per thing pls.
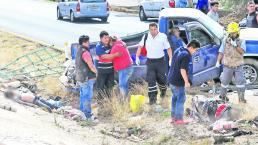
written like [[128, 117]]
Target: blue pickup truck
[[196, 25]]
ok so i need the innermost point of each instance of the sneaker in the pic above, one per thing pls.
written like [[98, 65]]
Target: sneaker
[[93, 119], [181, 122], [173, 120]]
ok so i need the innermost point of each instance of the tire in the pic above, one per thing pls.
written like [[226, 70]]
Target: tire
[[58, 14], [72, 18], [104, 19], [142, 14], [251, 71]]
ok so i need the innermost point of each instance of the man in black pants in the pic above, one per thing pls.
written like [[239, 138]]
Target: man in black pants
[[155, 44], [105, 77]]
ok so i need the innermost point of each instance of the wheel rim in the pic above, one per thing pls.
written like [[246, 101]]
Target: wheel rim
[[58, 13], [72, 18], [141, 14], [250, 74]]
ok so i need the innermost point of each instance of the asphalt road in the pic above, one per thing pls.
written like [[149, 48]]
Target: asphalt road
[[36, 19]]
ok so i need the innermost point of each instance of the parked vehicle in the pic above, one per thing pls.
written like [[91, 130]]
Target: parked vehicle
[[152, 8], [210, 34], [78, 9]]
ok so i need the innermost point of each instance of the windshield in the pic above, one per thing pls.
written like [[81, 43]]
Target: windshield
[[212, 26], [92, 1]]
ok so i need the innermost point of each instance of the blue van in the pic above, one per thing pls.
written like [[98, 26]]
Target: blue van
[[78, 9]]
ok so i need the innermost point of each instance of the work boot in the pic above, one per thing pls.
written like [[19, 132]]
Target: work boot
[[242, 100], [241, 96], [162, 94]]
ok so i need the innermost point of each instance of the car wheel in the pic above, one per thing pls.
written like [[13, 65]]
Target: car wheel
[[58, 14], [104, 19], [142, 14], [251, 71], [72, 18]]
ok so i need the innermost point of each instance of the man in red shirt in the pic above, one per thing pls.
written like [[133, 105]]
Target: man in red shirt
[[122, 64]]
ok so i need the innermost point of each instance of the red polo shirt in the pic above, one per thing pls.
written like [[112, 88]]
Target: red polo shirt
[[123, 61]]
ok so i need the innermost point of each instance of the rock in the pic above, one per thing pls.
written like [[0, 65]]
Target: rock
[[134, 131], [223, 139], [8, 107], [15, 84]]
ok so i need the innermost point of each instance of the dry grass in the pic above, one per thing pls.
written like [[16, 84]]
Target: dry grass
[[13, 47], [207, 141], [120, 110], [246, 111], [51, 85]]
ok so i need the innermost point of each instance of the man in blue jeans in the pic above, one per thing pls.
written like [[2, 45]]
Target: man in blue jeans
[[85, 75], [179, 78]]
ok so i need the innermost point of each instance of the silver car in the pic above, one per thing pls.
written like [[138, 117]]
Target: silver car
[[151, 8]]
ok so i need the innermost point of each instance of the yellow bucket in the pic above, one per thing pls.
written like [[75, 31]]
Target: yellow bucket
[[136, 102]]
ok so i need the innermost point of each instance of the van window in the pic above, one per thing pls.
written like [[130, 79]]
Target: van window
[[92, 1], [201, 36]]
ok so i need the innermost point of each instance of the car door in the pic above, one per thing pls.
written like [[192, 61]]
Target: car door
[[204, 59], [62, 7], [67, 4], [148, 8], [157, 5]]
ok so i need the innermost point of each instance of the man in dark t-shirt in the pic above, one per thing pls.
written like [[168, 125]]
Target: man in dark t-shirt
[[179, 78]]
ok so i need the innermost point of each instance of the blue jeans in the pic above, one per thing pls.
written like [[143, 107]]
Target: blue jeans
[[124, 76], [178, 100], [86, 93]]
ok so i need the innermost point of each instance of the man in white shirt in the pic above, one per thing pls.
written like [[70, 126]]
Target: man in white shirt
[[155, 45]]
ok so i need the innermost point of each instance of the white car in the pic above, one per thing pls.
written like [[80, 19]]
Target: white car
[[151, 8]]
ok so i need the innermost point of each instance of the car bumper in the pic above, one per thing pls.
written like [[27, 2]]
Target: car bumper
[[80, 15]]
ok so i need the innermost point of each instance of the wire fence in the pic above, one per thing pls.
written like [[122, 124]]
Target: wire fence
[[38, 63]]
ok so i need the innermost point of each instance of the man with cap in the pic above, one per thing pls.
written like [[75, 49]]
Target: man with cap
[[232, 51]]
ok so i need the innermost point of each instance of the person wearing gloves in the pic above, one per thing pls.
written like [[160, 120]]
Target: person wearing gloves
[[232, 51], [155, 44]]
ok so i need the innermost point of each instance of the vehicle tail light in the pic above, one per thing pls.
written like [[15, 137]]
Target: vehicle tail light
[[172, 3], [108, 7], [78, 8]]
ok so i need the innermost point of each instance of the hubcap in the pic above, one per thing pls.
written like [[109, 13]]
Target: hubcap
[[250, 74], [141, 13], [72, 18], [58, 15]]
